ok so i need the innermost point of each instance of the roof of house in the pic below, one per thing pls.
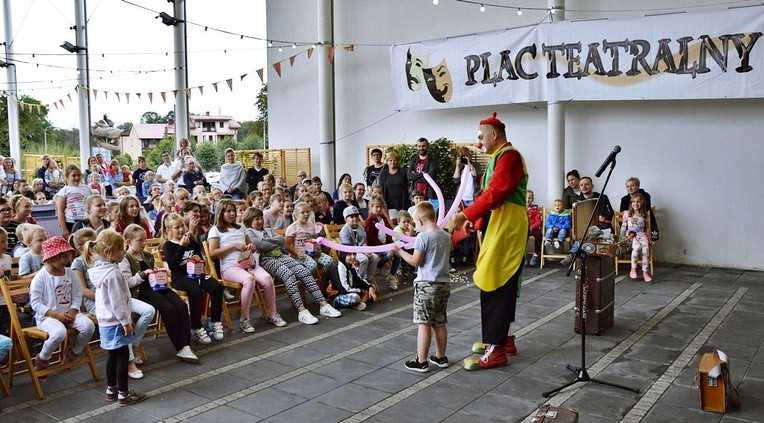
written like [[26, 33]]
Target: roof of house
[[232, 123], [150, 131]]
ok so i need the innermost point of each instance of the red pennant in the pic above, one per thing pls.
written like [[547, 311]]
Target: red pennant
[[175, 93], [310, 52], [164, 96], [291, 60], [230, 84], [151, 98], [330, 54], [260, 74], [277, 68]]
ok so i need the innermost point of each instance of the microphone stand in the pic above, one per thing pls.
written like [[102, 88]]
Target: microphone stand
[[582, 375]]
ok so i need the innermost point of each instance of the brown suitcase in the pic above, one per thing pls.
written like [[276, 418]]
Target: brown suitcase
[[600, 294], [548, 414]]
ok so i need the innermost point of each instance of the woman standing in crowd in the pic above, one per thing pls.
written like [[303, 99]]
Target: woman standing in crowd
[[394, 184], [233, 178]]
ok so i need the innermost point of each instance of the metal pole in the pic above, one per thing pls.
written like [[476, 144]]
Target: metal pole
[[181, 72], [555, 127], [10, 70], [80, 16], [326, 130], [45, 138]]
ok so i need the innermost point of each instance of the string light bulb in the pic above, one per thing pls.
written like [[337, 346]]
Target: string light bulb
[[435, 2], [294, 45], [482, 8], [280, 49], [519, 12], [270, 43]]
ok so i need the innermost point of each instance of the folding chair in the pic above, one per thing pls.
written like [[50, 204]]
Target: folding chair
[[20, 337], [551, 252], [625, 256]]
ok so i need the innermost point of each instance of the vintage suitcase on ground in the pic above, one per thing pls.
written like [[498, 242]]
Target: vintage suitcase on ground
[[548, 414], [716, 392], [600, 294]]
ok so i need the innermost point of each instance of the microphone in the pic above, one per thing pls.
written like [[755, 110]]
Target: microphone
[[610, 159]]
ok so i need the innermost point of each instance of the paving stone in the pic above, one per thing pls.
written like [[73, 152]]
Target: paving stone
[[352, 397], [170, 403], [389, 380], [123, 414], [500, 408], [611, 405], [262, 370], [222, 414], [266, 403], [308, 385], [346, 370], [311, 411], [662, 412], [218, 386], [414, 411]]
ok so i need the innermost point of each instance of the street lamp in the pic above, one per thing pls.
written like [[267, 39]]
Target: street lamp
[[45, 137], [71, 48]]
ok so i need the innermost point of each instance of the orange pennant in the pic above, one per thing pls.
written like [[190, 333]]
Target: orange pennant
[[151, 98], [164, 96], [330, 53], [291, 60], [260, 74], [277, 68], [310, 52]]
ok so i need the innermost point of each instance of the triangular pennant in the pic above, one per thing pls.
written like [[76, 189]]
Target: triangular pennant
[[230, 84], [188, 93], [351, 47], [291, 60], [175, 92], [56, 104], [330, 54], [164, 96], [138, 95], [201, 90], [242, 77], [151, 98], [127, 98], [277, 68], [76, 88], [39, 108], [69, 96], [95, 94], [106, 95], [215, 86], [260, 74], [62, 104], [310, 52], [119, 99]]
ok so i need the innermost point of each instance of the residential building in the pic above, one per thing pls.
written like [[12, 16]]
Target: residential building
[[212, 128]]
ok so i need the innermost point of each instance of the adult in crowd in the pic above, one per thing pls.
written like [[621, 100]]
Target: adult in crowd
[[344, 179], [9, 174], [464, 160], [194, 175], [301, 177], [165, 170], [423, 163], [115, 179], [605, 208], [371, 173], [394, 185], [256, 173], [633, 187], [138, 178], [233, 177], [92, 161], [7, 223], [571, 192], [181, 165], [24, 189], [500, 262], [40, 173], [101, 162]]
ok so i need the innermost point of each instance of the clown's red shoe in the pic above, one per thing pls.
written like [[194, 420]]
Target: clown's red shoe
[[494, 356], [509, 347]]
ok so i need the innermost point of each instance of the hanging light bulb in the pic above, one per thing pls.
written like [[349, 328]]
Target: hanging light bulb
[[435, 2], [270, 43], [280, 49], [294, 45], [519, 12], [482, 8]]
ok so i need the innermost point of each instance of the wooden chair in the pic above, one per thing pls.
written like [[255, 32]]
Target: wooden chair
[[553, 253], [625, 256], [15, 267], [257, 293], [21, 336]]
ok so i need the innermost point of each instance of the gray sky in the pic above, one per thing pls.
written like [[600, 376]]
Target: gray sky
[[124, 39]]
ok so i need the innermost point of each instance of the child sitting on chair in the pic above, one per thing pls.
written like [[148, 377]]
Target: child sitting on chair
[[534, 228], [55, 296], [345, 287], [634, 228], [557, 223]]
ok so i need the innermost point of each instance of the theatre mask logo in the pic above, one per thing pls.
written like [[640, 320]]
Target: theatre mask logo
[[436, 78]]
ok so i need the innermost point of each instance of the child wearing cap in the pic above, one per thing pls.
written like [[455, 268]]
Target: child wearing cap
[[55, 296], [345, 287], [352, 233]]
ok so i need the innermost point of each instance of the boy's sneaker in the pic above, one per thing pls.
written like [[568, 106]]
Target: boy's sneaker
[[131, 397], [360, 306], [440, 362], [246, 327], [217, 331], [534, 261], [306, 318], [557, 244], [111, 393], [187, 356], [415, 366], [547, 243], [276, 320], [201, 336], [227, 295], [393, 281], [329, 311]]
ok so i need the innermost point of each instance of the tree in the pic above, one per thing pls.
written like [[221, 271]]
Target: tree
[[123, 159], [125, 126], [209, 156], [154, 155], [262, 105]]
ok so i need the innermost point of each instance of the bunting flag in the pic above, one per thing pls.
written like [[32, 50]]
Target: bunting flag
[[277, 68], [230, 84], [242, 77], [39, 109], [201, 90], [188, 93], [106, 95], [56, 104], [215, 86], [330, 53], [95, 94], [127, 98], [164, 96], [119, 99], [310, 52], [138, 95], [291, 60], [175, 93], [351, 47], [151, 98], [260, 74], [62, 104], [69, 96]]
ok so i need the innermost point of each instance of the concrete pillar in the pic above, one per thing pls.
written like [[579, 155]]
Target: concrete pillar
[[326, 129], [555, 129]]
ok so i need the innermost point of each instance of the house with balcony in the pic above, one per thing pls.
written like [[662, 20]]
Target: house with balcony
[[211, 128], [144, 136]]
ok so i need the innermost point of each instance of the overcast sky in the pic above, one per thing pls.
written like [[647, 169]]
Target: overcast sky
[[124, 39]]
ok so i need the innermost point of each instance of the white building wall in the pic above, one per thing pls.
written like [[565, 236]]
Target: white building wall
[[698, 159]]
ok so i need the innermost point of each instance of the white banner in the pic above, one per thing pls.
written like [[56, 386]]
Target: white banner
[[705, 55]]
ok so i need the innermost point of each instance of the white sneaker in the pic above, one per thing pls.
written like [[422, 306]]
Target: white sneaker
[[307, 318], [188, 357], [556, 245], [360, 306], [217, 331], [276, 320], [227, 295], [329, 311], [246, 327], [201, 336]]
